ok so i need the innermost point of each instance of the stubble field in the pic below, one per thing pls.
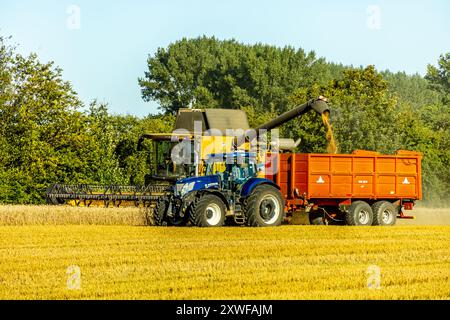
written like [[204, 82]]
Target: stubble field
[[71, 259]]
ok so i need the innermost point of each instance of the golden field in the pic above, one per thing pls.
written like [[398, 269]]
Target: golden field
[[287, 262], [18, 215]]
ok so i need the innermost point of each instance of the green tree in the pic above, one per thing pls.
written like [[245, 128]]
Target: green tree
[[422, 123], [436, 119], [363, 114], [47, 135], [413, 90], [206, 72], [41, 128], [439, 76]]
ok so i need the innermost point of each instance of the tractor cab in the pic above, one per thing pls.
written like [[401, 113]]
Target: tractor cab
[[233, 169]]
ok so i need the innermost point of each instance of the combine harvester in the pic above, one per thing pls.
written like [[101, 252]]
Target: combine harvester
[[209, 137], [163, 171], [263, 188]]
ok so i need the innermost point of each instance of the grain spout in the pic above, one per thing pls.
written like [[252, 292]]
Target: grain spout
[[331, 142]]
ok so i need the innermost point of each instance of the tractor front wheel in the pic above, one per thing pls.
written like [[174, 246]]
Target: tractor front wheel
[[207, 210]]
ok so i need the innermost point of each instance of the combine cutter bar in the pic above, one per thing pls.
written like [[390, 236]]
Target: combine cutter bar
[[112, 195]]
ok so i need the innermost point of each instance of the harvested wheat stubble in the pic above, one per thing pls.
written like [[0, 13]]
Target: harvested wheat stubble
[[288, 262], [66, 215]]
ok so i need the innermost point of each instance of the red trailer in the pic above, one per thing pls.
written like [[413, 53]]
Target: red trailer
[[362, 188]]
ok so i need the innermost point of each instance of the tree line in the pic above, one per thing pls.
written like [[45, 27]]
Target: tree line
[[48, 135]]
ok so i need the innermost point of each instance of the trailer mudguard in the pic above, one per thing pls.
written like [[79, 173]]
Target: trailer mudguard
[[252, 183]]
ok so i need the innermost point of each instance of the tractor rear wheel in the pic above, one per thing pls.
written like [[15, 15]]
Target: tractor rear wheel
[[207, 210], [384, 213], [359, 214], [264, 207]]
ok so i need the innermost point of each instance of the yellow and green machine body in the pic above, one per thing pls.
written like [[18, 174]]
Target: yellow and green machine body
[[199, 131]]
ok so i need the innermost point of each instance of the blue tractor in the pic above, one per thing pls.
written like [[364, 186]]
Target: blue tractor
[[229, 191]]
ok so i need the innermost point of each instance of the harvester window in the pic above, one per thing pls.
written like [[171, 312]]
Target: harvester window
[[164, 163]]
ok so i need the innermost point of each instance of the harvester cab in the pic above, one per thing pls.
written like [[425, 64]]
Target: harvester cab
[[162, 164], [197, 133]]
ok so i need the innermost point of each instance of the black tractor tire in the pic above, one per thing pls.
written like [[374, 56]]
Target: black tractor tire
[[159, 212], [384, 213], [359, 214], [207, 210], [264, 207]]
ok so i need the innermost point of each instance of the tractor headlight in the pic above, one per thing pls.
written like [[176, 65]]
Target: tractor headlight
[[178, 188], [186, 187]]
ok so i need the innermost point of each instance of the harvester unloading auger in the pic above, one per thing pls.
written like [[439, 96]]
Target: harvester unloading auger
[[163, 172]]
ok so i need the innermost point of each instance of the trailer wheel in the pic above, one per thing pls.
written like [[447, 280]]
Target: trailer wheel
[[384, 213], [207, 211], [159, 212], [264, 207], [359, 214]]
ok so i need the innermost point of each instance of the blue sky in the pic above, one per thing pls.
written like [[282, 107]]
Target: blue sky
[[105, 53]]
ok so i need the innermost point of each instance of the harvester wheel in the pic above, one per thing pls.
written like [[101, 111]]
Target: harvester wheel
[[359, 214], [159, 212], [384, 213], [207, 210], [264, 207]]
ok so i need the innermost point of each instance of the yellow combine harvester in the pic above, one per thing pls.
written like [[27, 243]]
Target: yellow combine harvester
[[194, 129], [197, 134]]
